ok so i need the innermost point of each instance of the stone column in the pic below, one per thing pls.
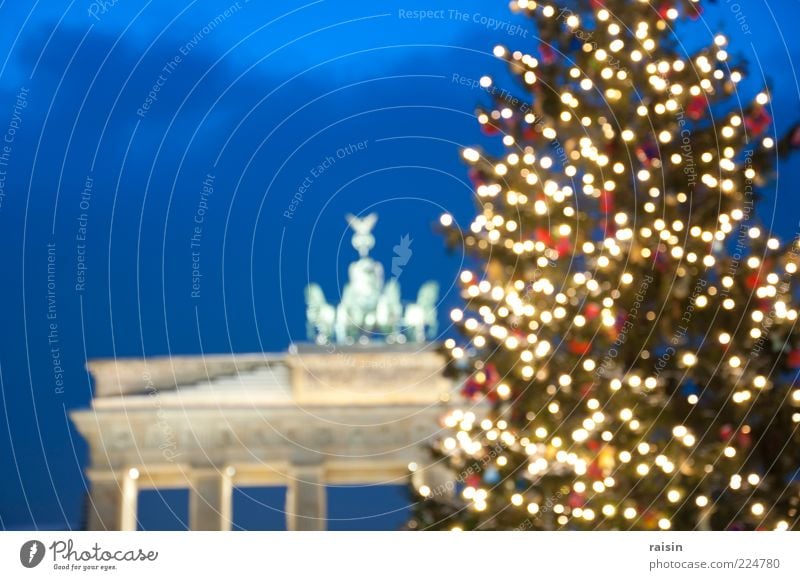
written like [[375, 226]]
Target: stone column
[[211, 500], [305, 498], [105, 500], [113, 501], [130, 501]]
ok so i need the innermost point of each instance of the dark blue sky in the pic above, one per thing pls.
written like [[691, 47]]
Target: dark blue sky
[[257, 100]]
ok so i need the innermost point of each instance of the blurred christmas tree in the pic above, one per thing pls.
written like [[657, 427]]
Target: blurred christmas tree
[[632, 328]]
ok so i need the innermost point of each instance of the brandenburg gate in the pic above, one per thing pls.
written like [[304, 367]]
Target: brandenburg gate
[[353, 406]]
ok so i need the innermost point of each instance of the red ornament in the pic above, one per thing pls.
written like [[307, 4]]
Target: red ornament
[[489, 129], [547, 53], [744, 439], [646, 152], [529, 133], [473, 480], [606, 202], [471, 388], [579, 347], [650, 519], [543, 235], [726, 432], [475, 177], [696, 108], [576, 500], [793, 137], [791, 140], [564, 246], [764, 304], [492, 376], [591, 311], [793, 359], [594, 470], [481, 384], [753, 280], [642, 157], [758, 121]]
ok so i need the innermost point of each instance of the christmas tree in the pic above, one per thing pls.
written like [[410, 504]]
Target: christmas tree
[[628, 336]]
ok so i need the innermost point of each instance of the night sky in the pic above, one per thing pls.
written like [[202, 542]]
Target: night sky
[[121, 125]]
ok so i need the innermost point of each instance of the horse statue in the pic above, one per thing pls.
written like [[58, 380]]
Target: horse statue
[[420, 317], [320, 315], [355, 314], [389, 311]]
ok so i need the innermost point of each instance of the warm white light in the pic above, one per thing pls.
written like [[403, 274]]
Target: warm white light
[[471, 154]]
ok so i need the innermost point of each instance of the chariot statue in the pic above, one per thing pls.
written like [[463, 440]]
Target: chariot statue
[[370, 309]]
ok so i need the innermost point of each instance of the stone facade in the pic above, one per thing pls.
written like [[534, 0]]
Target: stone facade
[[313, 416]]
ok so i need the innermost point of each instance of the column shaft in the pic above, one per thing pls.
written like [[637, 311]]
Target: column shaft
[[113, 503], [305, 498], [129, 507], [211, 501], [105, 501]]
